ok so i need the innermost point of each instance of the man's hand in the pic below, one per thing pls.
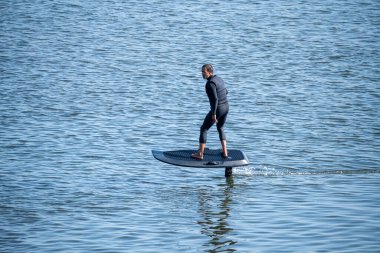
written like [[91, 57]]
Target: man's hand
[[213, 119]]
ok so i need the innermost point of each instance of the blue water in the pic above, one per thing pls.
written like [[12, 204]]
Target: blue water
[[89, 88]]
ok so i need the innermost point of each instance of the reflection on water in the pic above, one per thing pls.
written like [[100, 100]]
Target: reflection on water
[[214, 223]]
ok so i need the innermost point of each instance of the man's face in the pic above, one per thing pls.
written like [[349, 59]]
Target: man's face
[[205, 73]]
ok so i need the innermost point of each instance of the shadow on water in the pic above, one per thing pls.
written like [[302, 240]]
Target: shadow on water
[[214, 223]]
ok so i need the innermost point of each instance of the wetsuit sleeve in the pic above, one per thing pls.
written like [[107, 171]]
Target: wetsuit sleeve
[[213, 98]]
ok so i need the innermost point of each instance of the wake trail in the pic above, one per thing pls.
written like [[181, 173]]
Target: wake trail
[[273, 170]]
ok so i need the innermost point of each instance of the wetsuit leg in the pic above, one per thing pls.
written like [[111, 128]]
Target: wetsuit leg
[[207, 123], [221, 114]]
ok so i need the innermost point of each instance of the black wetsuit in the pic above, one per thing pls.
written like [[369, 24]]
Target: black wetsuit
[[217, 95]]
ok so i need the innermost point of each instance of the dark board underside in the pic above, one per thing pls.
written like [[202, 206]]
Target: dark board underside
[[211, 158]]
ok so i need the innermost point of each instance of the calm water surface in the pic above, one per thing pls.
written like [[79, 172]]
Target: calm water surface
[[88, 88]]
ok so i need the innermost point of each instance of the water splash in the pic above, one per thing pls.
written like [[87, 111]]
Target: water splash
[[273, 170]]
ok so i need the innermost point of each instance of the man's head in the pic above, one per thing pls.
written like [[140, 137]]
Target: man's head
[[207, 71]]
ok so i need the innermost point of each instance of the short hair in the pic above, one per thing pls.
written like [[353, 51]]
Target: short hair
[[209, 68]]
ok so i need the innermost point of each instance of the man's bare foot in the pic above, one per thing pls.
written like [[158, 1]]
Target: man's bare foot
[[197, 156]]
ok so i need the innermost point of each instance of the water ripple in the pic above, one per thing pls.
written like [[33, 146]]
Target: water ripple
[[89, 88]]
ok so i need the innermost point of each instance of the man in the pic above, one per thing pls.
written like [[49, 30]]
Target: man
[[217, 96]]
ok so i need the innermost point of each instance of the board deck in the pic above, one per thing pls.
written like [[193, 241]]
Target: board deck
[[212, 158]]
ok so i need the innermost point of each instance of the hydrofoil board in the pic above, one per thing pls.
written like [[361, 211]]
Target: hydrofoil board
[[212, 158]]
